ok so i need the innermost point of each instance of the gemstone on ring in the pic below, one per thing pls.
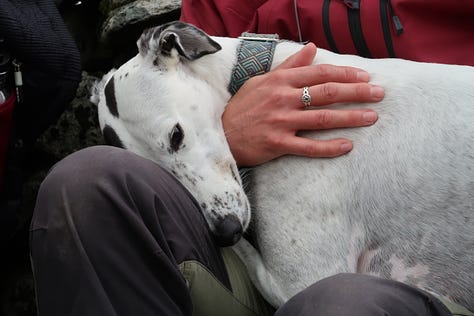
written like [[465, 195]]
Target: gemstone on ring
[[306, 97]]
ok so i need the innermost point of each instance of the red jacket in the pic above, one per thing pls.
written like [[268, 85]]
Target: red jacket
[[6, 116], [432, 31]]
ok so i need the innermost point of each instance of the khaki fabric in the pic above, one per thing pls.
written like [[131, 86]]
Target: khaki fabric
[[455, 309], [210, 297]]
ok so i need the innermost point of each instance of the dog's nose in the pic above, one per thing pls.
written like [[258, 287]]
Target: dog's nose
[[228, 231]]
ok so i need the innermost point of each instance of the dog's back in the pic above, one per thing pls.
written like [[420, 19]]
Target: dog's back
[[400, 205]]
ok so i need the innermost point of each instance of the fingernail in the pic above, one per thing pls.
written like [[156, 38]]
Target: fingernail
[[376, 91], [369, 116], [363, 76], [346, 146]]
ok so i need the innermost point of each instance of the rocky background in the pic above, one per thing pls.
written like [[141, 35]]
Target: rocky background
[[105, 32]]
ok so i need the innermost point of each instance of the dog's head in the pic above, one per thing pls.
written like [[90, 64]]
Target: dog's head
[[157, 106]]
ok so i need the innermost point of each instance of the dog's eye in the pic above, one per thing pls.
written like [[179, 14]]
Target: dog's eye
[[176, 137]]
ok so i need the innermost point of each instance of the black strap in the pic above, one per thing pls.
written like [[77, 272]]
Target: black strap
[[353, 14], [327, 27], [386, 27]]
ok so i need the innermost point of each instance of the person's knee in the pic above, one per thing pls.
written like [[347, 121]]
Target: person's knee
[[101, 181], [330, 296], [360, 294], [84, 168], [78, 182]]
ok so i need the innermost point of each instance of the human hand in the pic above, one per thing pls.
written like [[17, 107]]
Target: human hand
[[261, 120]]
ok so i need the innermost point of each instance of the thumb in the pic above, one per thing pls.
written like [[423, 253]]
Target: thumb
[[303, 57]]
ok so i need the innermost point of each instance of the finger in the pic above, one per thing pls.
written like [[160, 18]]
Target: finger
[[327, 119], [332, 92], [303, 57], [319, 74], [313, 148]]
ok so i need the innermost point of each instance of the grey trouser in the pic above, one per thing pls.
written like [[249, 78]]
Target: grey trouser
[[114, 234]]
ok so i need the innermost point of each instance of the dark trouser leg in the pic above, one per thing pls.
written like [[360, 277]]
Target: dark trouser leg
[[358, 294], [108, 231]]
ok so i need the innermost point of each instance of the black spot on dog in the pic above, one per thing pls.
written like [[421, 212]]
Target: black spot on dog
[[176, 138], [167, 44], [192, 180], [110, 100], [111, 137]]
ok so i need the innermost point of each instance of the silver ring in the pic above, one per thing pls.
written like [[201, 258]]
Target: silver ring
[[306, 97]]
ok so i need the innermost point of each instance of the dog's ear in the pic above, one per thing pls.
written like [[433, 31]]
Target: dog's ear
[[177, 39], [98, 86]]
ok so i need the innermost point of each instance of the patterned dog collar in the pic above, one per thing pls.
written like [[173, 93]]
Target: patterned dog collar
[[254, 57]]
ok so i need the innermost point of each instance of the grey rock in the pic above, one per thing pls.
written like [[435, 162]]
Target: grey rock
[[77, 127], [138, 12]]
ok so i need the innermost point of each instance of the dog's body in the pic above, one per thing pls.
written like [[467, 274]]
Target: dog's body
[[400, 205]]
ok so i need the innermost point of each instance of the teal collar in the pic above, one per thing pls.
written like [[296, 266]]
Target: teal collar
[[254, 57]]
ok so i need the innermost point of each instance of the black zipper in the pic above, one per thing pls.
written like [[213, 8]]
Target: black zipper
[[327, 26], [386, 9], [353, 14], [396, 21]]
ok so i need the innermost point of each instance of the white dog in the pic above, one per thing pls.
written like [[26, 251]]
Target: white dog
[[400, 205]]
